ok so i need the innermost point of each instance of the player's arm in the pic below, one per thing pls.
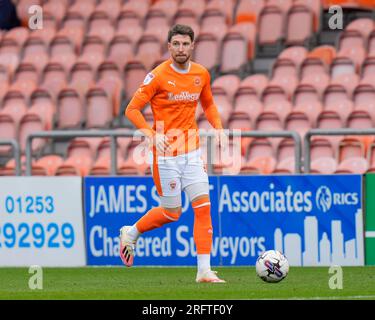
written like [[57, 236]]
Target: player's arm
[[133, 112], [208, 105], [140, 99]]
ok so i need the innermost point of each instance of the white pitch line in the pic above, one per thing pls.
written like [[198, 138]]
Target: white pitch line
[[370, 234]]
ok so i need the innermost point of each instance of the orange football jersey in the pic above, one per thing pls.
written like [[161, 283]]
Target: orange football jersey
[[174, 95]]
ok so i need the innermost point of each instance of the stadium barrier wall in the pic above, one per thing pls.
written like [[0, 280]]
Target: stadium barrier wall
[[313, 219], [370, 219], [41, 221], [316, 220]]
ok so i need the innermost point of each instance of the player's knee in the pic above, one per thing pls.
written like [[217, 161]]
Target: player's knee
[[172, 214], [197, 190]]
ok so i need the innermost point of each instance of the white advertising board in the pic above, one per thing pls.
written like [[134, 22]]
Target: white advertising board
[[41, 221]]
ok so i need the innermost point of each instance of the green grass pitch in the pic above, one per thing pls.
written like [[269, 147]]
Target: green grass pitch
[[165, 283]]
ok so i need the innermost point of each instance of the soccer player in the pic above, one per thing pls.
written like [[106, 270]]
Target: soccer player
[[173, 88]]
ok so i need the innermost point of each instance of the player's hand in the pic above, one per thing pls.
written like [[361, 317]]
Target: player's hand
[[162, 144]]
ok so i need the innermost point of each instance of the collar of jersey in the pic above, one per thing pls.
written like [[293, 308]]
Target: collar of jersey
[[180, 70]]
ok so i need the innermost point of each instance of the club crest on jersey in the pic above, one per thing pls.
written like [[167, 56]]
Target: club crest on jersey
[[197, 81], [172, 185], [149, 77]]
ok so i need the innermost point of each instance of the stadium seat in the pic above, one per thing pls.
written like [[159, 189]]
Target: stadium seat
[[187, 17], [306, 99], [229, 83], [168, 7], [128, 24], [323, 165], [197, 6], [109, 78], [26, 72], [364, 99], [62, 51], [269, 121], [248, 10], [110, 7], [18, 34], [297, 54], [248, 31], [55, 8], [330, 120], [298, 121], [350, 39], [357, 165], [83, 7], [299, 25], [350, 147], [348, 80], [140, 8], [336, 98], [247, 101], [47, 164], [342, 65], [93, 51], [31, 123], [285, 74], [325, 53], [70, 110], [9, 54], [285, 155], [282, 4], [148, 50], [367, 72], [275, 99], [363, 25], [271, 28], [53, 78], [35, 51], [8, 130], [82, 77], [42, 103], [256, 81], [214, 21], [223, 104], [14, 105], [134, 74], [80, 147], [359, 119], [234, 53], [120, 51], [73, 27], [99, 110], [206, 50], [100, 25], [157, 24]]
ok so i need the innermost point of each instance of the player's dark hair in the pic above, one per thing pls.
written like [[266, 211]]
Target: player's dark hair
[[181, 29]]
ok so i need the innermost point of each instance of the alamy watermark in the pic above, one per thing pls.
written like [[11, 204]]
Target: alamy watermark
[[36, 17], [336, 280], [336, 21], [36, 280]]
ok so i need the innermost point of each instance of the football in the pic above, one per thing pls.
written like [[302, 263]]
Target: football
[[272, 266]]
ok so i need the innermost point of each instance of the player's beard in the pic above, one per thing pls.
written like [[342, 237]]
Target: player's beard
[[182, 59]]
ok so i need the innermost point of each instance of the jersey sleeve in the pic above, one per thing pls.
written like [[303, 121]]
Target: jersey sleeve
[[140, 99], [208, 104]]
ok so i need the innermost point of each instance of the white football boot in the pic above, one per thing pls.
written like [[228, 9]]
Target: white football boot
[[208, 276]]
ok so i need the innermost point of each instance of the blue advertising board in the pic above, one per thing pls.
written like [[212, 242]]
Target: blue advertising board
[[314, 220], [111, 203]]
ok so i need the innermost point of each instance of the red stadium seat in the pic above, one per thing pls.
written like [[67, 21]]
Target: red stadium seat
[[42, 103], [364, 99], [299, 25], [99, 112], [82, 77], [206, 50], [234, 53], [100, 25], [229, 83], [31, 123], [70, 111], [134, 74], [256, 81], [8, 130], [48, 164], [110, 7], [336, 98], [148, 50], [93, 51]]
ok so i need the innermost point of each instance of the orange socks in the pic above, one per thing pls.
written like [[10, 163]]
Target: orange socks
[[155, 218], [202, 225]]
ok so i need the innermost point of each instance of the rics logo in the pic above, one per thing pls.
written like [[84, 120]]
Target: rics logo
[[323, 199]]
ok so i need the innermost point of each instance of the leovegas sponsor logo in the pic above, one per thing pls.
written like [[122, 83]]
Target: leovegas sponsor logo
[[183, 96]]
